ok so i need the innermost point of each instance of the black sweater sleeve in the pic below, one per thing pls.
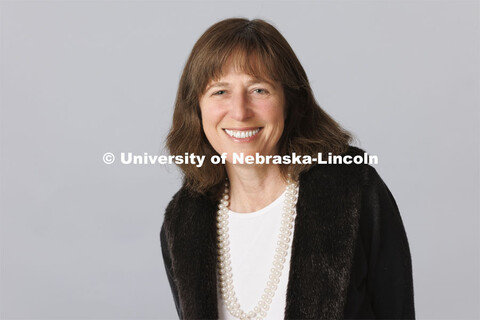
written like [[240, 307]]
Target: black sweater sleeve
[[381, 285], [168, 268], [389, 277]]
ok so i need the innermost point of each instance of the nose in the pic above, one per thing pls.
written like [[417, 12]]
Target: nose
[[239, 107]]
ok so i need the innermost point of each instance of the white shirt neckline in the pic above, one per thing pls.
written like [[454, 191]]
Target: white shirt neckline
[[257, 213]]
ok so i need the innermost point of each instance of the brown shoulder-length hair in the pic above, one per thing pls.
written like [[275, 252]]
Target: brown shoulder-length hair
[[258, 49]]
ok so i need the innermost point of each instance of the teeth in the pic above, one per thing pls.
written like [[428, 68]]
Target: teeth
[[242, 134]]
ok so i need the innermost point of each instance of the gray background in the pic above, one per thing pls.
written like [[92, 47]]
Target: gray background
[[80, 239]]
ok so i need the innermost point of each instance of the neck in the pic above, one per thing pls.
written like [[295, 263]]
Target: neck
[[253, 187]]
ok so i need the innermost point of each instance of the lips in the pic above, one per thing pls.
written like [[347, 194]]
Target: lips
[[243, 134]]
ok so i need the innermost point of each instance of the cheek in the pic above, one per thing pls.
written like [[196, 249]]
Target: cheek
[[211, 118], [276, 116], [275, 110]]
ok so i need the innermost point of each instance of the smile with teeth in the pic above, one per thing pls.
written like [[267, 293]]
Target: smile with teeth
[[242, 134]]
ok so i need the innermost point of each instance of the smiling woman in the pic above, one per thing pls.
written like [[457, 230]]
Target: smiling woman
[[294, 240]]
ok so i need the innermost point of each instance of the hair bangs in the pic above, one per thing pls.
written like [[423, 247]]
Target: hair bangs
[[245, 55]]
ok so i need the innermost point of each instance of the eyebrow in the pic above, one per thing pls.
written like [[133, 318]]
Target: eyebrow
[[226, 84], [217, 84]]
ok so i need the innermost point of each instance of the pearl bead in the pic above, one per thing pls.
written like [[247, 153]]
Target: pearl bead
[[278, 268], [266, 304]]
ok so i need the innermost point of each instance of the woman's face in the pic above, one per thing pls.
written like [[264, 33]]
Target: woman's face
[[241, 113]]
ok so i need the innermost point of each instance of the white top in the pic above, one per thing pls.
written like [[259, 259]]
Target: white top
[[253, 240]]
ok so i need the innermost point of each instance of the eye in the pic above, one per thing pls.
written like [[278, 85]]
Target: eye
[[260, 91], [218, 93]]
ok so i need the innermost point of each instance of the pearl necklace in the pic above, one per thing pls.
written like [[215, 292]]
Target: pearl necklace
[[224, 263]]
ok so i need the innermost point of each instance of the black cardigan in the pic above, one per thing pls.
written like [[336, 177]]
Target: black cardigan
[[350, 253]]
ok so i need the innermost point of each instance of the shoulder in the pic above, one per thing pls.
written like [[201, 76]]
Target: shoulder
[[185, 207]]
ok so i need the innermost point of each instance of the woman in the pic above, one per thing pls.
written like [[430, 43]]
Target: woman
[[255, 241]]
